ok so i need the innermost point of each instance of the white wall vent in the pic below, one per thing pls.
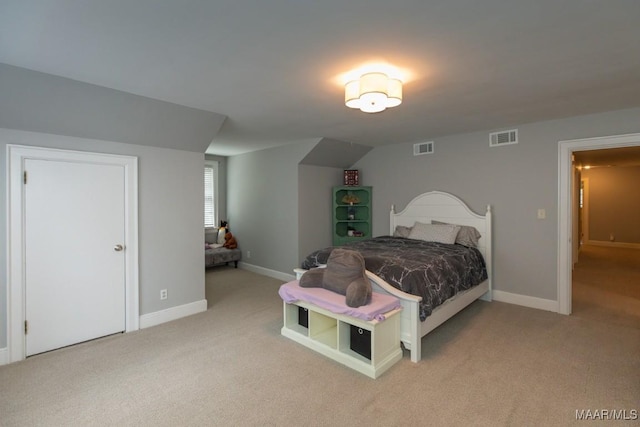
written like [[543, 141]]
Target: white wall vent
[[423, 148], [506, 137]]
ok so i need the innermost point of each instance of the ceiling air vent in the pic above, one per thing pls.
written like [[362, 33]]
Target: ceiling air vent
[[423, 148], [506, 137]]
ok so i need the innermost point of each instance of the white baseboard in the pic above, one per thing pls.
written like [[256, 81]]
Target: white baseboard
[[267, 272], [4, 356], [526, 301], [173, 313], [508, 297], [613, 244]]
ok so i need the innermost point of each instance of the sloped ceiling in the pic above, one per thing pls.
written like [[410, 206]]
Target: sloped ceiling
[[336, 154], [41, 102], [275, 68]]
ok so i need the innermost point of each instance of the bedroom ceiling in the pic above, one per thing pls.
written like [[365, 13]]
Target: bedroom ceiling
[[621, 157], [273, 67]]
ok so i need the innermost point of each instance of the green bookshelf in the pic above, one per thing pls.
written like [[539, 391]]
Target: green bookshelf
[[351, 220]]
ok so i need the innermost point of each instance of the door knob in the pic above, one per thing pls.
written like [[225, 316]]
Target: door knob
[[118, 248]]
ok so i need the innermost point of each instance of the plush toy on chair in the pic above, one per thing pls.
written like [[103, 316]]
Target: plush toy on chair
[[344, 274]]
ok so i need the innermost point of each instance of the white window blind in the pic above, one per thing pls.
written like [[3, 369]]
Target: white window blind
[[209, 197]]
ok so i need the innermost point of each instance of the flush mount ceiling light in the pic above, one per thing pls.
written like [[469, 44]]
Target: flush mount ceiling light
[[373, 92]]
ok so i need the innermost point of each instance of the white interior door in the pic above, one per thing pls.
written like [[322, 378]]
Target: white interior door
[[74, 217]]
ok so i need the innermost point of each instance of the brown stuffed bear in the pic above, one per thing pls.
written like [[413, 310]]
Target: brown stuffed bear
[[229, 241], [344, 274]]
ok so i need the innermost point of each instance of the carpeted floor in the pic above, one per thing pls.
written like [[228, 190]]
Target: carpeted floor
[[494, 364], [606, 285]]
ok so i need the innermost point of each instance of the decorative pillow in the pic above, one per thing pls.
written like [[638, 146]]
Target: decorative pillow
[[312, 278], [221, 232], [441, 233], [468, 236], [402, 231], [344, 274]]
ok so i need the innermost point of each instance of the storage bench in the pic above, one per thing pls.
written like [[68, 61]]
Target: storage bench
[[216, 256], [368, 346]]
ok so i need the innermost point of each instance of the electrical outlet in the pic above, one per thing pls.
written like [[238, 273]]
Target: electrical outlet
[[163, 294], [248, 254], [542, 213]]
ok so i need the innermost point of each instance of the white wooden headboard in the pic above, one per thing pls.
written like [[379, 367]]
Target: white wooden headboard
[[445, 207]]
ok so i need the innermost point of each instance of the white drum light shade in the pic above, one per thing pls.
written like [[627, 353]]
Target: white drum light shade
[[373, 92]]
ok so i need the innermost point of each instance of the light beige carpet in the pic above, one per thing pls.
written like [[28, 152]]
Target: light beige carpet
[[606, 285], [494, 364]]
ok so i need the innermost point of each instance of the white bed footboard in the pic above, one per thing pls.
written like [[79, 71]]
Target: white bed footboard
[[409, 317], [411, 328]]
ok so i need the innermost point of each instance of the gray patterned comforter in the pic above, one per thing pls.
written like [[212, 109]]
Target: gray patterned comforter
[[434, 271]]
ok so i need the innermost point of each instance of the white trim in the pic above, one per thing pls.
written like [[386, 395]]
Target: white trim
[[565, 151], [4, 356], [613, 244], [525, 300], [267, 272], [16, 156], [172, 313], [585, 210]]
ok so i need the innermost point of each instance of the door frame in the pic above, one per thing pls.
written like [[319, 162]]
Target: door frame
[[16, 304], [585, 211], [565, 209]]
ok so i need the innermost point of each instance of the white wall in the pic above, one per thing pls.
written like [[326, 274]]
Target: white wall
[[314, 206], [170, 178], [516, 180], [614, 203], [262, 205], [171, 192]]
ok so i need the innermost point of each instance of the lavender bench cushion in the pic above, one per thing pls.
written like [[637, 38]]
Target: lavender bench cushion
[[334, 302]]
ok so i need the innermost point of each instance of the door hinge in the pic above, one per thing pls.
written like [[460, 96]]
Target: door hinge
[[26, 327], [25, 176]]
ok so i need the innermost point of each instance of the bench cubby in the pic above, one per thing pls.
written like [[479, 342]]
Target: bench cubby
[[329, 334]]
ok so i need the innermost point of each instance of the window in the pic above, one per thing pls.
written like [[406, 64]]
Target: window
[[210, 194]]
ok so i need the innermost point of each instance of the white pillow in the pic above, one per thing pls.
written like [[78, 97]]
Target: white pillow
[[402, 231], [468, 236], [441, 233]]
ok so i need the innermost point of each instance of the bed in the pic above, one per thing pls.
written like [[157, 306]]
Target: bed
[[419, 317]]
